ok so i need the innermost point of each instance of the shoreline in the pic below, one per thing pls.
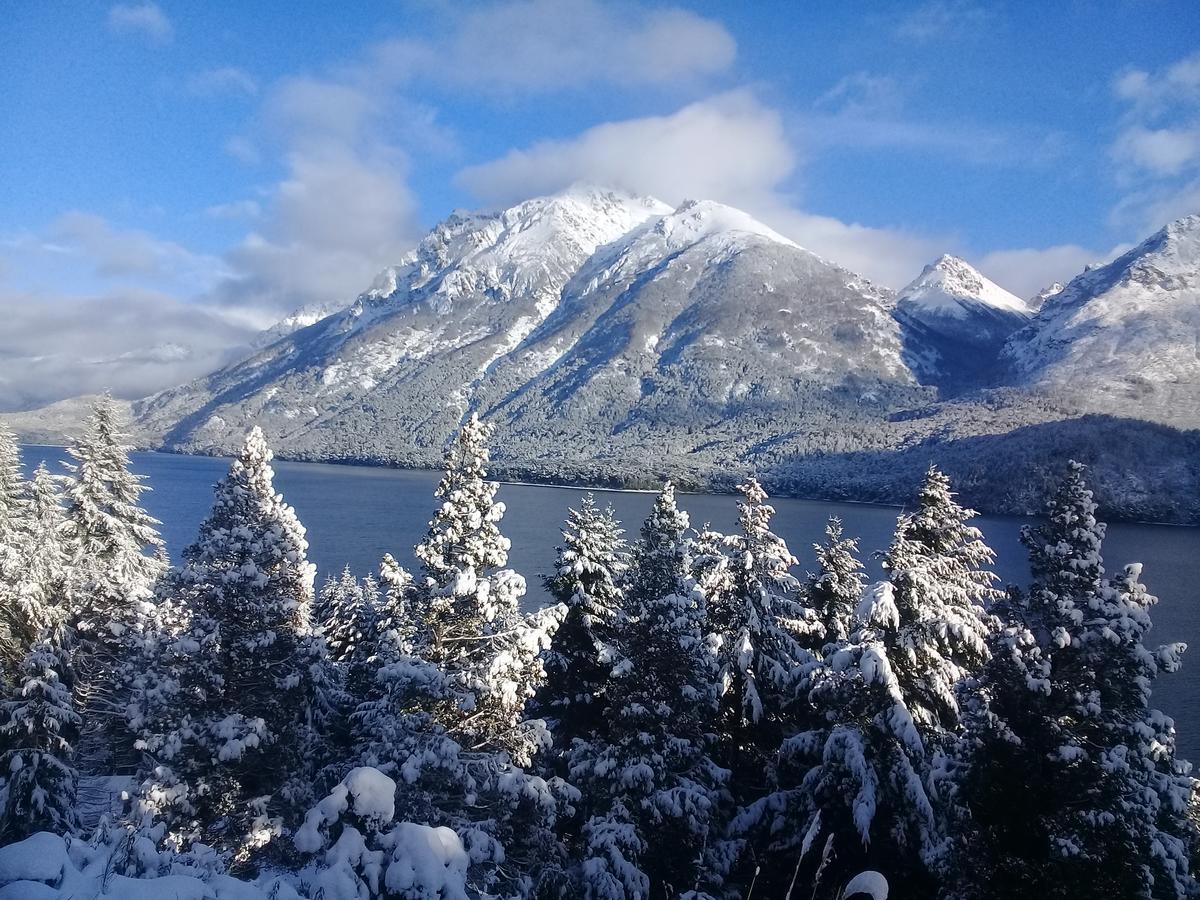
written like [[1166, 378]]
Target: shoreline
[[583, 486]]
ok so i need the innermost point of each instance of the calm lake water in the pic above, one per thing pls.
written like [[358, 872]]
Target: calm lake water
[[355, 514]]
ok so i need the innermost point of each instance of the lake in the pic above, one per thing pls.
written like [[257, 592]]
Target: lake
[[355, 514]]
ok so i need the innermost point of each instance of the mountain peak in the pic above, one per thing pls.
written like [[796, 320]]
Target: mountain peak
[[1188, 225], [1038, 300], [1127, 329], [951, 286], [694, 220]]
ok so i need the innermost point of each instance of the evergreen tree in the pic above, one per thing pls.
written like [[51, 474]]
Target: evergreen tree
[[11, 486], [114, 564], [591, 564], [855, 786], [1064, 704], [652, 789], [467, 606], [12, 514], [937, 565], [846, 699], [393, 628], [346, 611], [39, 724], [454, 684], [227, 718], [835, 590], [863, 783], [760, 624]]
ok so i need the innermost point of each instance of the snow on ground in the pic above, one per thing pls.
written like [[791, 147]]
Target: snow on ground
[[414, 860]]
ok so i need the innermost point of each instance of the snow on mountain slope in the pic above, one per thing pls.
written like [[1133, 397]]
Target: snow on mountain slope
[[1125, 335], [586, 309], [295, 320], [955, 322], [702, 313]]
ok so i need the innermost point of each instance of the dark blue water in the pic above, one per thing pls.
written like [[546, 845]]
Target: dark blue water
[[355, 514]]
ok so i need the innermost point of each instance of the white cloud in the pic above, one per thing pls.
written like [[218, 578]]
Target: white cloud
[[115, 252], [863, 94], [243, 150], [87, 251], [865, 110], [1179, 83], [1157, 147], [89, 306], [1159, 151], [312, 112], [342, 213], [224, 81], [326, 232], [729, 148], [144, 19], [239, 209], [537, 45], [942, 19], [889, 256], [133, 343], [1025, 271]]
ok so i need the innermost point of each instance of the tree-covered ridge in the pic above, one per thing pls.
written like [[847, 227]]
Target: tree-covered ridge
[[693, 717]]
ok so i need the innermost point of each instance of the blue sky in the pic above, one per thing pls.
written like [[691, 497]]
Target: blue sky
[[178, 174]]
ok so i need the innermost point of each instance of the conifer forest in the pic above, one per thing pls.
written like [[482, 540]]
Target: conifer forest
[[694, 717]]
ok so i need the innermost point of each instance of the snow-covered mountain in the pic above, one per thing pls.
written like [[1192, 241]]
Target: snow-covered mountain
[[1038, 300], [1124, 336], [614, 339], [584, 314], [301, 317], [955, 322]]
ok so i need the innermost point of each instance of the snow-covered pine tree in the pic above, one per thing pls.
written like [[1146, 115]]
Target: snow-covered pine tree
[[393, 626], [834, 591], [889, 696], [228, 728], [345, 611], [39, 724], [450, 722], [853, 792], [33, 594], [651, 790], [938, 567], [467, 604], [833, 594], [1064, 704], [114, 563], [12, 513], [761, 624], [591, 564]]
